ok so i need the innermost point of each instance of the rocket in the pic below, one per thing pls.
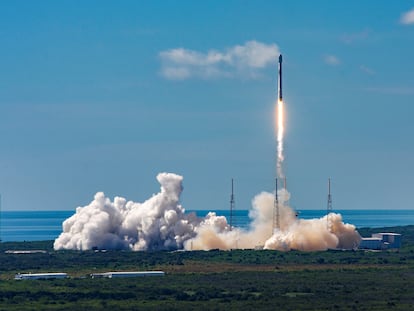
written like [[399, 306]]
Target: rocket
[[279, 85]]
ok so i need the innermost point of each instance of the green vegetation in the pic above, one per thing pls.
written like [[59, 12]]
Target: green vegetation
[[214, 280]]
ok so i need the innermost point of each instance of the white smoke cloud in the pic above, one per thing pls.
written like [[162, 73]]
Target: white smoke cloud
[[161, 223], [158, 223], [407, 18], [244, 59], [332, 60]]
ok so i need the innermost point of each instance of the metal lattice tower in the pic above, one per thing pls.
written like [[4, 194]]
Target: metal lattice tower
[[286, 202], [276, 223], [329, 206], [232, 204]]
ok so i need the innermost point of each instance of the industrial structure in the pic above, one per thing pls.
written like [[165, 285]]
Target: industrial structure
[[109, 275], [127, 274], [370, 243], [381, 241], [40, 276], [31, 251]]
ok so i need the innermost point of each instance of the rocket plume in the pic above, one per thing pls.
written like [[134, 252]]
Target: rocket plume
[[161, 223], [280, 132], [279, 122]]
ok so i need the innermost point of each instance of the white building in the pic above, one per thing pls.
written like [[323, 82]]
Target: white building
[[370, 243], [34, 251], [127, 274], [40, 276], [380, 241], [390, 240]]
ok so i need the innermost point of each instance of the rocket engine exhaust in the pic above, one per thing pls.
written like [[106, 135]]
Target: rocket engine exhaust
[[279, 120], [161, 223]]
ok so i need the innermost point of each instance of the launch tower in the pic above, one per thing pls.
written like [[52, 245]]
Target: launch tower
[[329, 207], [276, 222]]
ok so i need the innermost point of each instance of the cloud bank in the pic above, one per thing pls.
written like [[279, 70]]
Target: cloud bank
[[407, 18], [160, 223], [246, 60]]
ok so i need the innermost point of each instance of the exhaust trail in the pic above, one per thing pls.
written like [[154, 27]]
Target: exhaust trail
[[161, 223], [280, 133], [279, 121]]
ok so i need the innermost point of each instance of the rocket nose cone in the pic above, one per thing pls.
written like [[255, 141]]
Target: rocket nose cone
[[280, 58]]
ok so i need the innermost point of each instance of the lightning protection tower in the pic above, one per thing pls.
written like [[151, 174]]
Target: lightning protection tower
[[232, 204], [276, 222], [329, 207]]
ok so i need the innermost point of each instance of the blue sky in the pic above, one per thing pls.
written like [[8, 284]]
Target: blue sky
[[103, 95]]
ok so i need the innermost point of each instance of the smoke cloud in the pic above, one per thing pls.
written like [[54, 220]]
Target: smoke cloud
[[161, 223]]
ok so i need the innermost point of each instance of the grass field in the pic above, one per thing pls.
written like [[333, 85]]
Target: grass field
[[213, 280]]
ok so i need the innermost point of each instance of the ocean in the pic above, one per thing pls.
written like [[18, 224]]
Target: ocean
[[47, 225]]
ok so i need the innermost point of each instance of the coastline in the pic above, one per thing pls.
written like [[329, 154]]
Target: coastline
[[47, 225]]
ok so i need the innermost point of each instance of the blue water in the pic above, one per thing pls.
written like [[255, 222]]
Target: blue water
[[47, 225], [32, 225]]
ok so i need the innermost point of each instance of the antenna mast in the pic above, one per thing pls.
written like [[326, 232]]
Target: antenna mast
[[232, 203]]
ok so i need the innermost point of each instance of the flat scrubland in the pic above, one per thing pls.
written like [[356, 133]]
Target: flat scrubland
[[213, 280]]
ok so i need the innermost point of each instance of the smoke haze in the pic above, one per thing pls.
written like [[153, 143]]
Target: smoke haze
[[161, 223]]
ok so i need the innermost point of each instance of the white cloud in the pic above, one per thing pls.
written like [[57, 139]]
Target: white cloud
[[332, 60], [350, 38], [240, 60], [367, 70], [407, 17], [176, 73]]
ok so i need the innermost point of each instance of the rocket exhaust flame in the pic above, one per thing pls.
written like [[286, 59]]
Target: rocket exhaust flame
[[279, 121], [160, 223], [280, 132]]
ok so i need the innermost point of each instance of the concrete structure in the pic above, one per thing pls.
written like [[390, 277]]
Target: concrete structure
[[390, 240], [370, 243], [381, 241], [34, 251], [40, 276], [127, 274]]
